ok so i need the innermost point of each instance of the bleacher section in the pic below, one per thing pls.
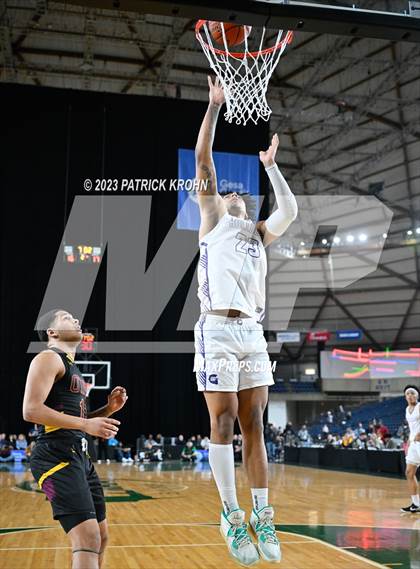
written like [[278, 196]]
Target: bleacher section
[[291, 386], [391, 412]]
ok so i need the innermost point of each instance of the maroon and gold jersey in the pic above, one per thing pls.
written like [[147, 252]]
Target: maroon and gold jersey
[[67, 395]]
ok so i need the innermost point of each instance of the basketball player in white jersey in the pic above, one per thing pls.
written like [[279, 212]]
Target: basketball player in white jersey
[[412, 415], [228, 335]]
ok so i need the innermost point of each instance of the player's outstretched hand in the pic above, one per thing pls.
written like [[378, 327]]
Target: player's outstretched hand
[[216, 94], [103, 427], [268, 157]]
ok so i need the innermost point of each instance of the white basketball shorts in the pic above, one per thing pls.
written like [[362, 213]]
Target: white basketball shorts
[[413, 454], [230, 354]]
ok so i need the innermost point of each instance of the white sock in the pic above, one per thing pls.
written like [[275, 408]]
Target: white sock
[[415, 500], [223, 467], [259, 498]]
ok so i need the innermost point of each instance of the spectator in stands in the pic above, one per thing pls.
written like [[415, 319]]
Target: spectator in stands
[[149, 454], [382, 430], [151, 440], [332, 441], [159, 440], [325, 431], [304, 436], [33, 433], [180, 440], [279, 442], [198, 441], [205, 443], [330, 417], [393, 443], [403, 431], [359, 429], [123, 454], [6, 451], [341, 415], [374, 442], [348, 438], [3, 438], [21, 442], [290, 439], [289, 428], [12, 440], [156, 454], [361, 442], [329, 442], [189, 452], [269, 437]]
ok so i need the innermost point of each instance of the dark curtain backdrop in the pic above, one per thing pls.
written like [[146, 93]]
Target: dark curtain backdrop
[[142, 137]]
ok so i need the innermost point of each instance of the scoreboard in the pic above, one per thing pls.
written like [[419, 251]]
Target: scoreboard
[[82, 253]]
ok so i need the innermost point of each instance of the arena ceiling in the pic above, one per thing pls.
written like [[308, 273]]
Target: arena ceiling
[[347, 110]]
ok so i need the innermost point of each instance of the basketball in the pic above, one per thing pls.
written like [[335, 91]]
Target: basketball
[[235, 34]]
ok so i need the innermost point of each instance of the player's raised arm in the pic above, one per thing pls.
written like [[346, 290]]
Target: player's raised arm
[[208, 198], [287, 209]]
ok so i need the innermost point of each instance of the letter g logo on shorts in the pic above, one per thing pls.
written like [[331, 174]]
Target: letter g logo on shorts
[[213, 379]]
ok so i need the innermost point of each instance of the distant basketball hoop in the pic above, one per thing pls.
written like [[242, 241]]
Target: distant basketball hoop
[[244, 75]]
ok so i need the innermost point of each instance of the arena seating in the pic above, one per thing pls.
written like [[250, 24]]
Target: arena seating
[[391, 412], [294, 387]]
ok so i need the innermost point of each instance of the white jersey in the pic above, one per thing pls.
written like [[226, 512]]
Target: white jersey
[[413, 420], [232, 268]]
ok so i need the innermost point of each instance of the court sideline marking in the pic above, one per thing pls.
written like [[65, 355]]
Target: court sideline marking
[[354, 555], [309, 542], [198, 524]]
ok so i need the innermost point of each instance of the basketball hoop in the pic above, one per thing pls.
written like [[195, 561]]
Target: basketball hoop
[[244, 75]]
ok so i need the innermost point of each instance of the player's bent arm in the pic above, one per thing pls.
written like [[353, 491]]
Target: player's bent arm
[[43, 371], [101, 412], [287, 209], [116, 401]]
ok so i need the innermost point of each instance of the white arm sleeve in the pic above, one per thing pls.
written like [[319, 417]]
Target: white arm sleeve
[[287, 210]]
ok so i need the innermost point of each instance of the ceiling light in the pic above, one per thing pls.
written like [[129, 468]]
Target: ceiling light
[[362, 237], [336, 239], [350, 238]]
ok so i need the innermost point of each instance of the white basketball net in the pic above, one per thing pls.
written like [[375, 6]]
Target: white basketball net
[[244, 76]]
